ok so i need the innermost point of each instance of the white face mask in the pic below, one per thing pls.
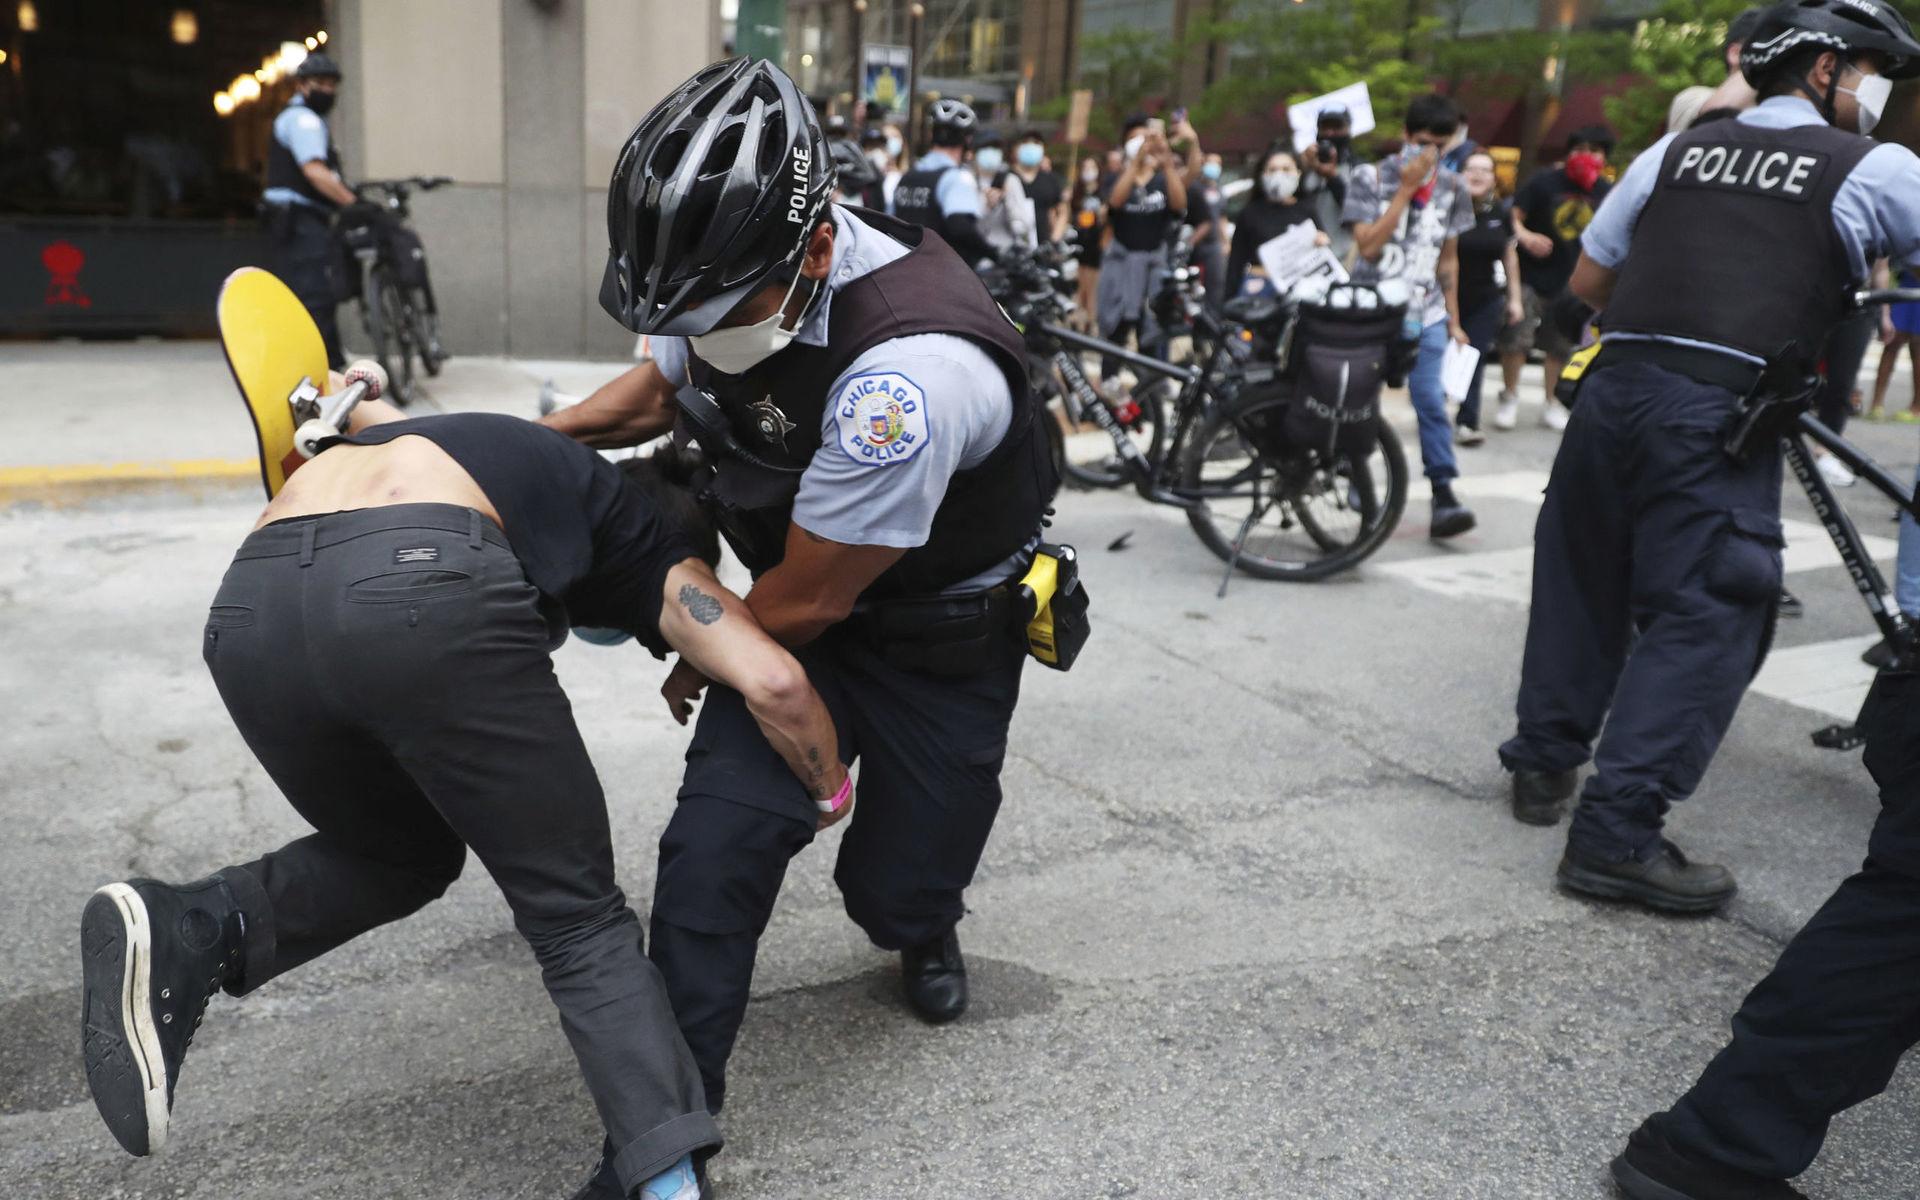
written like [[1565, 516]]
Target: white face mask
[[879, 159], [989, 160], [1280, 185], [1871, 96], [1133, 145], [893, 146], [743, 347]]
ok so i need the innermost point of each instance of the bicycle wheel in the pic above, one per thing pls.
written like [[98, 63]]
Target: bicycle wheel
[[395, 350], [1293, 514], [1086, 456], [426, 331]]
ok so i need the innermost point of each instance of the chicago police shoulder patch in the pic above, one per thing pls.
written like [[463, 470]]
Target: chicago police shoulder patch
[[880, 418]]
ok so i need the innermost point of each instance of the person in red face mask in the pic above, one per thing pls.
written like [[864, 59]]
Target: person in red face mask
[[1550, 211]]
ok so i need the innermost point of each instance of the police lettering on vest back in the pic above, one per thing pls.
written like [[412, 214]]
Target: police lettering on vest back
[[1785, 174]]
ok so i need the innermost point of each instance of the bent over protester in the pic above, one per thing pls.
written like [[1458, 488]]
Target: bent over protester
[[382, 642]]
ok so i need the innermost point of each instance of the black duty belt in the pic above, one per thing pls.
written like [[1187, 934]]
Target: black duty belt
[[1704, 366], [940, 635]]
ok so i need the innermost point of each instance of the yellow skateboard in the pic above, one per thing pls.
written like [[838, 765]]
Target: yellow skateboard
[[279, 362]]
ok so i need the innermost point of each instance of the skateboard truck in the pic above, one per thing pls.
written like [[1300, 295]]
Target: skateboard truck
[[321, 416]]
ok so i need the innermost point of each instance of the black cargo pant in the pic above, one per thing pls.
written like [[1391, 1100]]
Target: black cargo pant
[[389, 667], [1656, 569], [929, 749], [306, 258], [1826, 1029]]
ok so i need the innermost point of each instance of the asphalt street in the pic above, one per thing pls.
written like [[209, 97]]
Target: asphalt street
[[1255, 921]]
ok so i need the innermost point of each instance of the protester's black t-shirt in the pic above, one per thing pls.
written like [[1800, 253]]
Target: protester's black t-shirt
[[1557, 208], [587, 538], [1481, 249], [1261, 221], [1046, 193], [1142, 222]]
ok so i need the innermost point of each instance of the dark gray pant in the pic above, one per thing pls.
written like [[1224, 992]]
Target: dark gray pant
[[389, 667], [1656, 568]]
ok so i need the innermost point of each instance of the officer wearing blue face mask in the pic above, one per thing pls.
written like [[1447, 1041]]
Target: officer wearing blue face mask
[[1657, 554]]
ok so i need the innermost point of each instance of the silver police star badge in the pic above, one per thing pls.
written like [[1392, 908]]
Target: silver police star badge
[[771, 423]]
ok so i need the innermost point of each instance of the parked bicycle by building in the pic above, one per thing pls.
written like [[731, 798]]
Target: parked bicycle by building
[[387, 273]]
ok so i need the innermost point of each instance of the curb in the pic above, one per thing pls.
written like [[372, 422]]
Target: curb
[[81, 483]]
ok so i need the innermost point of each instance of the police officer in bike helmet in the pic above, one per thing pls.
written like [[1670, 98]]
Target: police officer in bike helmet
[[303, 192], [881, 468], [1720, 263], [937, 194]]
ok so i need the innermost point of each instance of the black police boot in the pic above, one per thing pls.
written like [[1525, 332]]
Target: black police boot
[[605, 1185], [1652, 1169], [151, 956], [1667, 881], [1789, 605], [1540, 797], [936, 978]]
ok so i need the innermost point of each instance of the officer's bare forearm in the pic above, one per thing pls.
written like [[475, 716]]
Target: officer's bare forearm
[[634, 408], [328, 184], [815, 585], [1592, 282]]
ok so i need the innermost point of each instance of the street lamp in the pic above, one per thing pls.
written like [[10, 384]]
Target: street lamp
[[858, 42], [916, 13]]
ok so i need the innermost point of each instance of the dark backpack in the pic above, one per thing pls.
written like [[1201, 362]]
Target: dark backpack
[[1341, 357]]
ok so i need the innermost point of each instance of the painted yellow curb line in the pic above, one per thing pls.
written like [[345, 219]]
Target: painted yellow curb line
[[83, 481]]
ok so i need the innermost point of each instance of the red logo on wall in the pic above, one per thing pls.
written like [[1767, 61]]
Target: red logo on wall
[[63, 261]]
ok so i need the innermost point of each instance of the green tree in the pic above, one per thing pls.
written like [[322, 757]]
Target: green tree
[[1676, 49], [1128, 70]]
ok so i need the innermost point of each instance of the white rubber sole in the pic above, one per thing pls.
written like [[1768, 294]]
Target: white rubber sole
[[135, 1018]]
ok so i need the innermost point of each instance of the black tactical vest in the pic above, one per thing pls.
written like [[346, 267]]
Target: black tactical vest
[[777, 410], [283, 172], [1737, 245], [916, 198]]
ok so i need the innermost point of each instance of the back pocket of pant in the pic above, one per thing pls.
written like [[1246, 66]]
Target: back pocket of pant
[[397, 587], [1745, 564]]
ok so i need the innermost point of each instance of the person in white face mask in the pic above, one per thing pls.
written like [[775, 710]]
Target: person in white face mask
[[1273, 207], [1007, 218]]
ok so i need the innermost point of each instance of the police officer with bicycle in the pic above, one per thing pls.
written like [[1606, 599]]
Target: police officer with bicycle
[[1721, 262], [303, 192], [879, 465], [938, 194]]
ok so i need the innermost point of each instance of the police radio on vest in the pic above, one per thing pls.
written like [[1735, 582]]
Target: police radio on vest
[[1743, 168]]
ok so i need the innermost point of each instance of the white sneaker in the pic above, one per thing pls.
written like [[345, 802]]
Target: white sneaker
[[1508, 414], [1554, 415], [1467, 435], [1838, 473]]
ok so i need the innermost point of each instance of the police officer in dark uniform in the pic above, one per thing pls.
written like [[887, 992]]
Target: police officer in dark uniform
[[881, 468], [303, 192], [937, 194], [1720, 263]]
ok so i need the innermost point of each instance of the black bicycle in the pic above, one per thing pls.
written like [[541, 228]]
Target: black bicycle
[[1867, 579], [1272, 482], [395, 292]]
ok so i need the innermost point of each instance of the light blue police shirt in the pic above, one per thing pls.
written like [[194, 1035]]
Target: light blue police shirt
[[901, 420], [302, 131], [1876, 209], [957, 192]]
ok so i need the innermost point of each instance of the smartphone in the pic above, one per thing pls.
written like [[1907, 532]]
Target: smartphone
[[1180, 115]]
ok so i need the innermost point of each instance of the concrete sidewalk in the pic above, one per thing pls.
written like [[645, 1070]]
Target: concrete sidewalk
[[88, 419]]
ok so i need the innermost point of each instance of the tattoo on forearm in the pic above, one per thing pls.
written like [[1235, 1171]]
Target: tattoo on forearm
[[815, 772], [700, 606]]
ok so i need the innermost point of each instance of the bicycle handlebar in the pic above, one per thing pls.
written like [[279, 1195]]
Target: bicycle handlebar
[[424, 183], [1864, 299]]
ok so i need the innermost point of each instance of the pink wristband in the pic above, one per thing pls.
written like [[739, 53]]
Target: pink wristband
[[840, 797]]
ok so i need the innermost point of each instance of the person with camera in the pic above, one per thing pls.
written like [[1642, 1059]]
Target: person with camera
[[1145, 207], [303, 192], [1657, 562], [1328, 168], [1407, 214], [939, 193], [881, 467]]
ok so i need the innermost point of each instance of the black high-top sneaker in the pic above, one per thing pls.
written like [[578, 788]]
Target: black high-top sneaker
[[151, 956]]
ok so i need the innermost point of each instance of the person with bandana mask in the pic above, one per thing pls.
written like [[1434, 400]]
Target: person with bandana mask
[[1407, 214], [1273, 208], [1549, 212], [1723, 250], [882, 468], [303, 192]]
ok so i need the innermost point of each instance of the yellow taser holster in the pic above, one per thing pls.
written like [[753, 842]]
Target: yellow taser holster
[[1055, 606]]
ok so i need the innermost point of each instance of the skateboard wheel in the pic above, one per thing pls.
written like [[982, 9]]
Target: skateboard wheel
[[372, 372], [306, 439]]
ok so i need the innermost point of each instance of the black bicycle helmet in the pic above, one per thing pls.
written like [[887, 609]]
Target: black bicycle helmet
[[318, 64], [715, 194], [1849, 27], [952, 122], [855, 172]]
